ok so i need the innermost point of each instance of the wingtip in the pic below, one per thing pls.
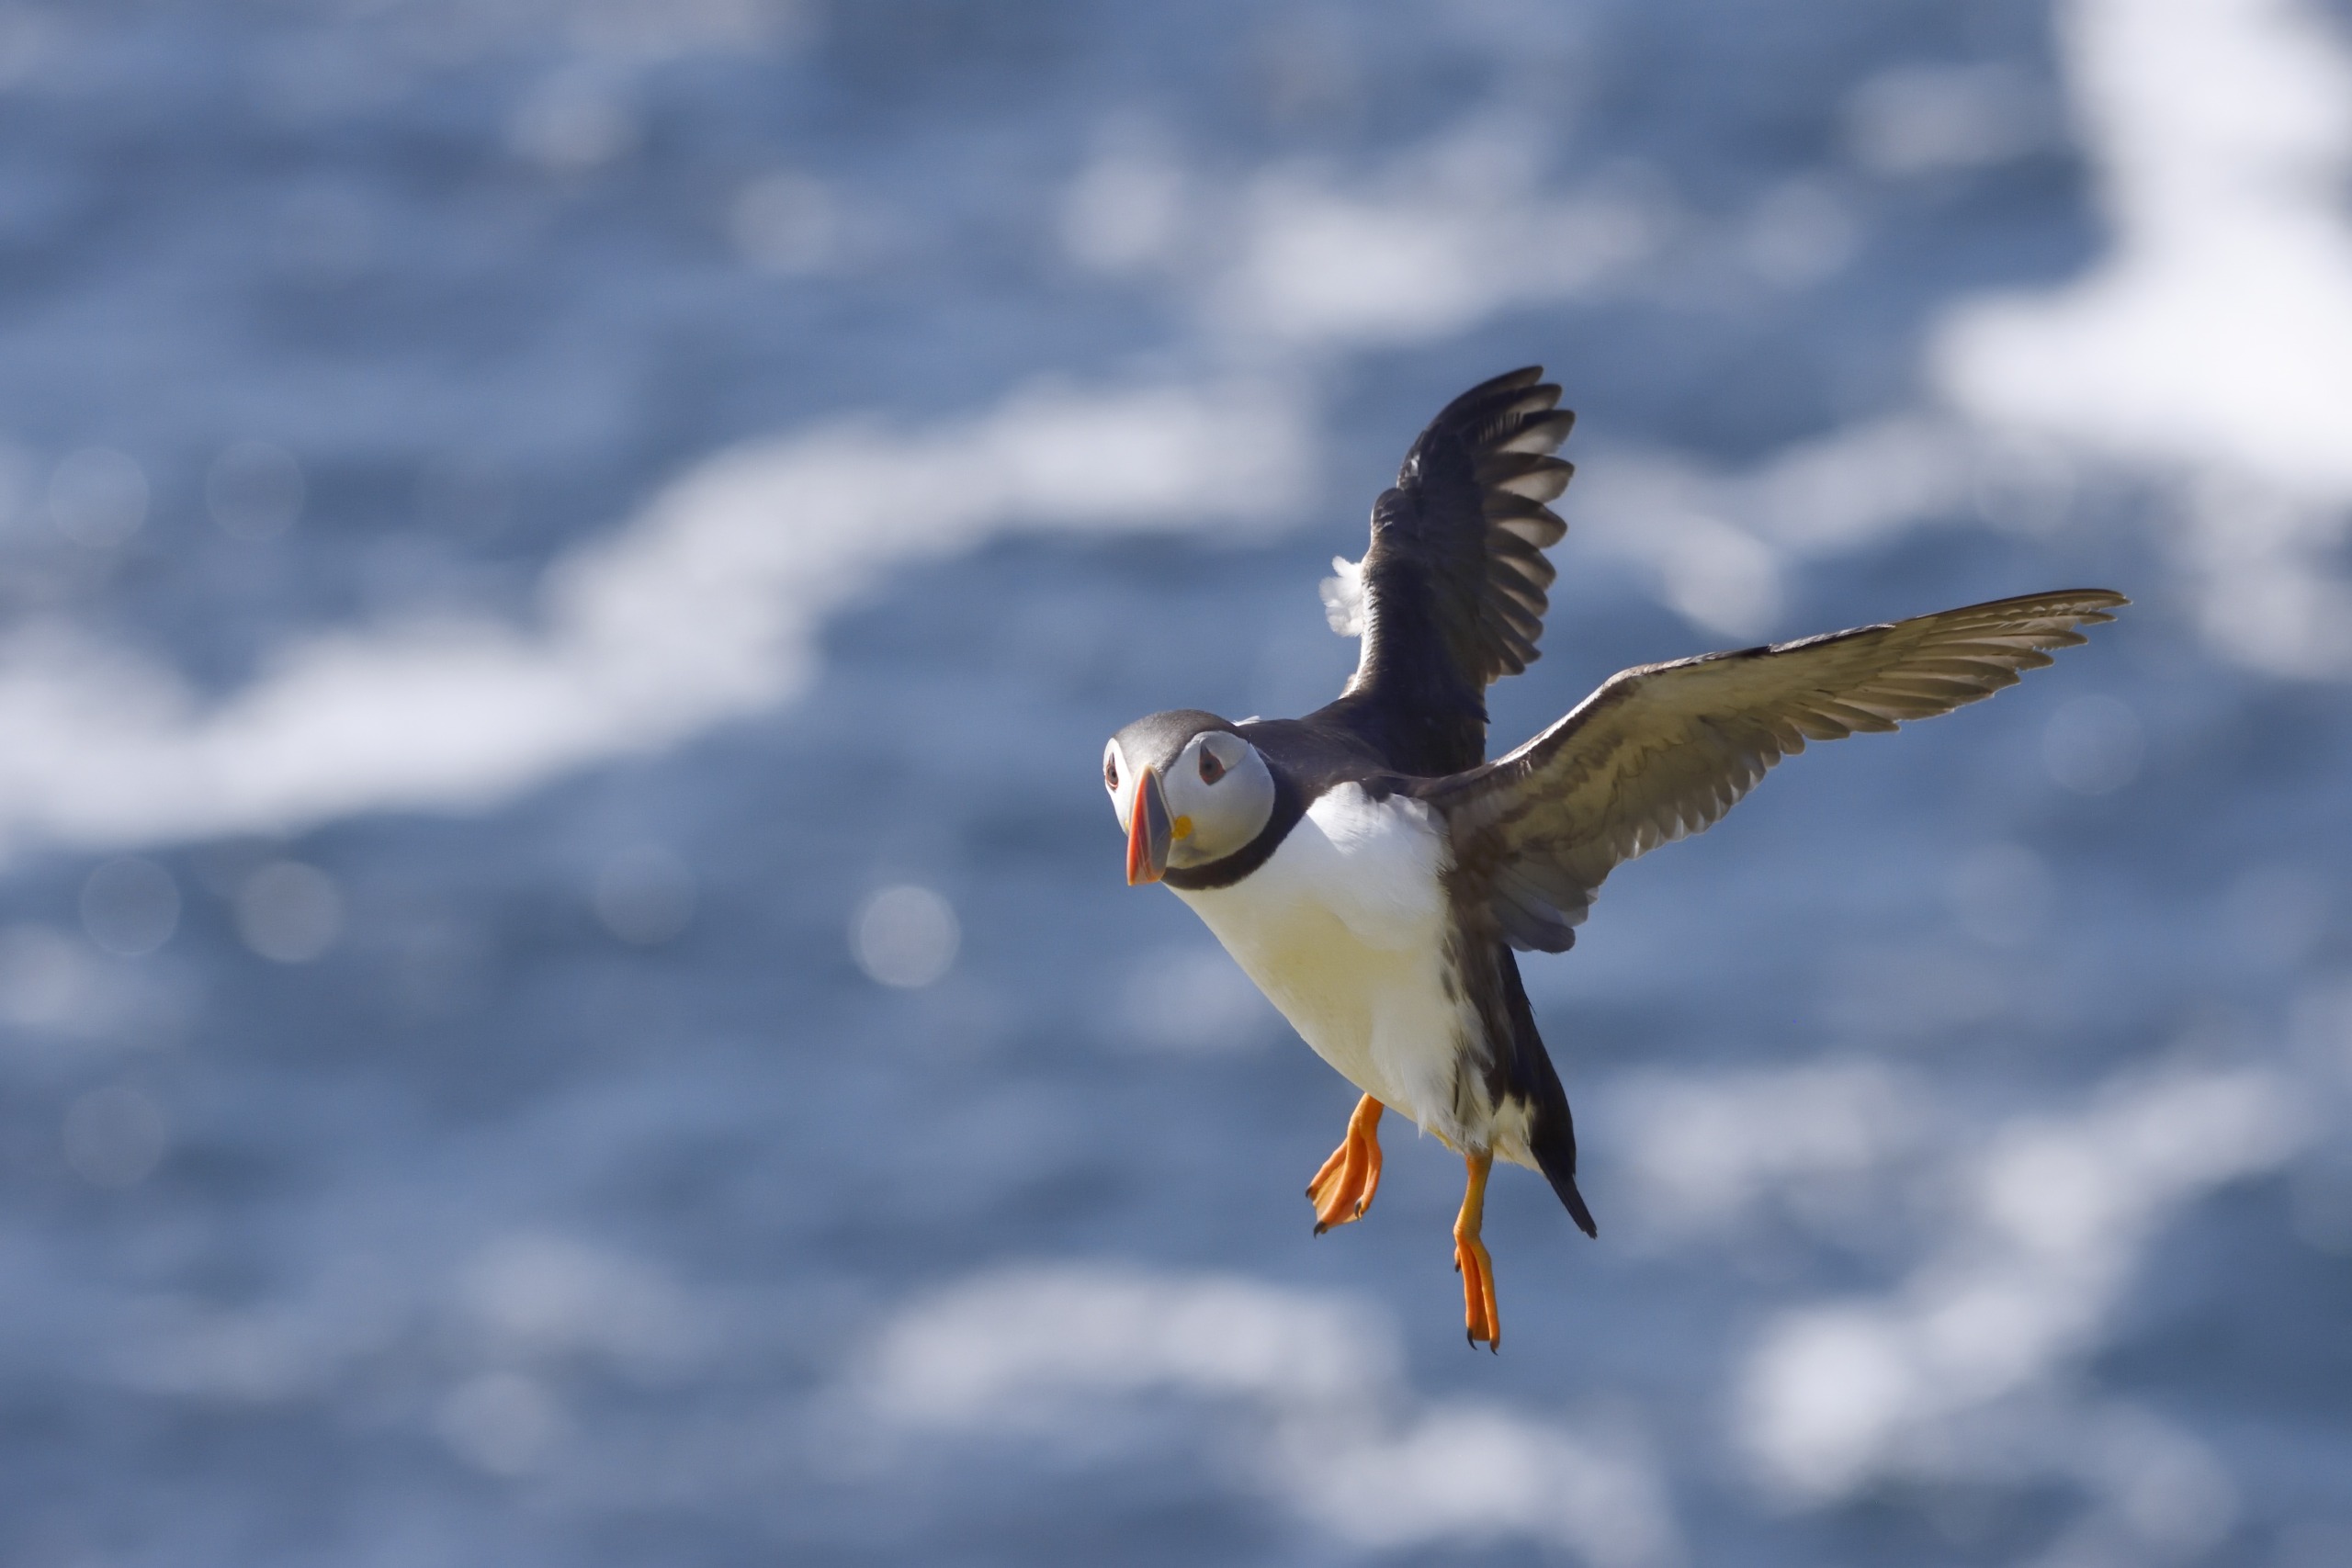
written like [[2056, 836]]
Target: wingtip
[[2103, 597], [2082, 606]]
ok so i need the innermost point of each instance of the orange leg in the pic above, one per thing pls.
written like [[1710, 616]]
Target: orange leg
[[1470, 1259], [1343, 1190]]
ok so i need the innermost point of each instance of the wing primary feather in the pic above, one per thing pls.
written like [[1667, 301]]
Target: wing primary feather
[[1537, 478], [1454, 583], [1662, 751], [1541, 435]]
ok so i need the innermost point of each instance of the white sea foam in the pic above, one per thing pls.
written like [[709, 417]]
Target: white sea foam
[[1706, 1153], [701, 608], [1317, 1384], [1299, 258], [2052, 1215], [2218, 325], [2218, 332], [2214, 338]]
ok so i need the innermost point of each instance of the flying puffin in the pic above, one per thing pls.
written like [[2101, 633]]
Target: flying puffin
[[1373, 873]]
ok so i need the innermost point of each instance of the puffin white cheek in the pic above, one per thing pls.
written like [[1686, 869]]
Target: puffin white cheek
[[1245, 800], [1213, 820], [1177, 788]]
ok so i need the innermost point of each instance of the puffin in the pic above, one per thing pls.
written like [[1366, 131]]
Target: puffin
[[1377, 875]]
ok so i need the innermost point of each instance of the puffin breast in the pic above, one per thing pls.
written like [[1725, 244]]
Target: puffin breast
[[1344, 928]]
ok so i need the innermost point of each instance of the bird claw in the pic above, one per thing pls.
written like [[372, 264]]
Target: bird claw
[[1482, 1321], [1343, 1189]]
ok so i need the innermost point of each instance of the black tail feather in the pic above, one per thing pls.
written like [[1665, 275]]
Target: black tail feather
[[1551, 1131], [1564, 1182]]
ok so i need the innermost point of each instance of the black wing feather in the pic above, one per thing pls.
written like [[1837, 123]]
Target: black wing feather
[[1454, 582]]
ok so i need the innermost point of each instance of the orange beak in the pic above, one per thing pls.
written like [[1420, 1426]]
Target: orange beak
[[1149, 831]]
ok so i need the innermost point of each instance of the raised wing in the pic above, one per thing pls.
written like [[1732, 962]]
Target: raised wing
[[1451, 594], [1665, 750]]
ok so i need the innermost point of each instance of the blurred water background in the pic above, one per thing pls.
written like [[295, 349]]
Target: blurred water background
[[567, 995]]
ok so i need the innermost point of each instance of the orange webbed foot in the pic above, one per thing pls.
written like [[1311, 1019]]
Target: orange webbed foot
[[1343, 1189], [1482, 1323], [1482, 1319]]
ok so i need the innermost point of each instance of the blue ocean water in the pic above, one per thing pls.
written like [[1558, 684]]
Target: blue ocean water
[[566, 994]]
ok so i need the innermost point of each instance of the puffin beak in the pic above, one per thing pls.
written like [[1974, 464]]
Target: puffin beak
[[1149, 832]]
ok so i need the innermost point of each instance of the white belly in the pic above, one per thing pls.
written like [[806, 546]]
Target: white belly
[[1344, 930]]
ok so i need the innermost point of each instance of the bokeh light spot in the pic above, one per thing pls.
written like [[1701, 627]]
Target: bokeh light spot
[[644, 896], [906, 937], [2002, 895], [501, 1422], [47, 979], [115, 1137], [98, 497], [131, 906], [289, 913], [255, 490], [2093, 745]]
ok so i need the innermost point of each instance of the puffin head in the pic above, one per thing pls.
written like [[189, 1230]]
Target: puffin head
[[1188, 790]]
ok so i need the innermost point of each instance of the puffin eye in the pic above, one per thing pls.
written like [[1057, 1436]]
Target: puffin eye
[[1111, 774], [1211, 769]]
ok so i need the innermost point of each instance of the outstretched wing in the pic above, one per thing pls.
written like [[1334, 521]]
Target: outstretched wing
[[1451, 594], [1665, 750]]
